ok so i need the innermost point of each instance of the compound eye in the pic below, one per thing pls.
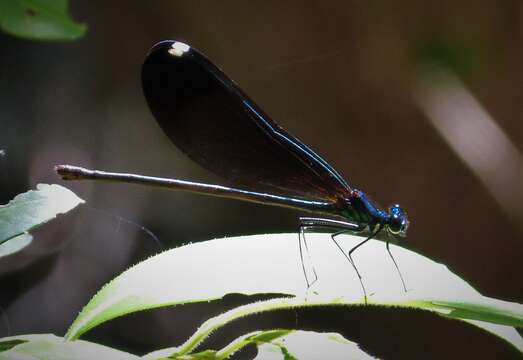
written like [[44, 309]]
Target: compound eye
[[398, 222], [395, 225]]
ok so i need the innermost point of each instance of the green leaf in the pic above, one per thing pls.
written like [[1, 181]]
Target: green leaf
[[271, 264], [275, 344], [204, 355], [213, 325], [47, 346], [15, 244], [268, 336], [169, 354], [488, 311], [310, 345], [33, 208], [8, 344], [296, 344], [56, 5], [39, 20]]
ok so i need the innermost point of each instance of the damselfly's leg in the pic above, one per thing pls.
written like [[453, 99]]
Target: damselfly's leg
[[397, 267], [372, 234], [350, 260], [345, 231], [301, 235], [309, 223]]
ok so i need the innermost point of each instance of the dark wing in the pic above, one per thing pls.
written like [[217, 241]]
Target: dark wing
[[210, 119]]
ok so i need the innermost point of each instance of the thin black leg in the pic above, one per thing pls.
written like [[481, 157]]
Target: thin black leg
[[343, 227], [307, 223], [350, 261], [372, 234], [310, 257], [397, 267], [301, 235], [364, 241]]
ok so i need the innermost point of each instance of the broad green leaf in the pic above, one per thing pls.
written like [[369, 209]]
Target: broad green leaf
[[39, 20], [15, 244], [47, 346], [33, 208], [271, 264]]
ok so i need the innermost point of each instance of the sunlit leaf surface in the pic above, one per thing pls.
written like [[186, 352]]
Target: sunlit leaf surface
[[47, 346], [35, 207], [310, 345], [271, 264], [15, 244]]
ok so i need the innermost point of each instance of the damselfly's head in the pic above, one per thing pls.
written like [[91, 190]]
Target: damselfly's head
[[398, 222]]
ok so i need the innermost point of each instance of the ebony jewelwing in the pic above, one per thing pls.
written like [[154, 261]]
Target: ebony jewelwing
[[209, 118]]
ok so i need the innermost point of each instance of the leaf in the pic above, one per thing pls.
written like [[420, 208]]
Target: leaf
[[15, 244], [213, 325], [47, 346], [39, 20], [310, 345], [270, 264], [33, 208], [268, 336], [487, 312], [277, 344], [185, 351], [8, 344]]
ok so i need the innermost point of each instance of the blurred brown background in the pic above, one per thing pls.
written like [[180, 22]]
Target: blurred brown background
[[340, 75]]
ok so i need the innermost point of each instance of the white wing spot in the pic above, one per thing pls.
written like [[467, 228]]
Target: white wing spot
[[178, 49]]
